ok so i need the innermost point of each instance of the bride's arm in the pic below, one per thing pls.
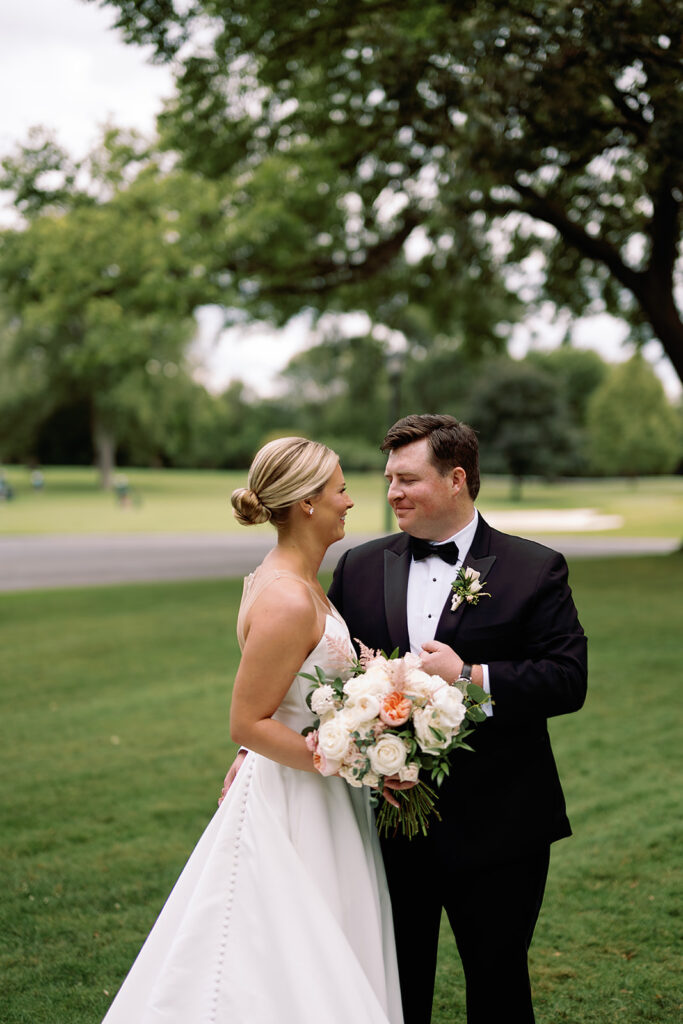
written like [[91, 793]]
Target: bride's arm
[[283, 628]]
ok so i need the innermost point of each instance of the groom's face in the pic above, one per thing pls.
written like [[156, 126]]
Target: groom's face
[[422, 499]]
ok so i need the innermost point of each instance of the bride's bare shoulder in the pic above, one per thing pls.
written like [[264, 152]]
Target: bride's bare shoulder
[[284, 602]]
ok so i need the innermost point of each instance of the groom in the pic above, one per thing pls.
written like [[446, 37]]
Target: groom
[[486, 861]]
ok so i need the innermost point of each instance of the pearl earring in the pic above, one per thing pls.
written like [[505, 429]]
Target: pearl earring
[[310, 511]]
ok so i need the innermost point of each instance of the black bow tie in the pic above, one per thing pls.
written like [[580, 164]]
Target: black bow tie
[[424, 549]]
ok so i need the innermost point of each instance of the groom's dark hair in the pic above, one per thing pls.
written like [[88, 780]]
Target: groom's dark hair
[[451, 443]]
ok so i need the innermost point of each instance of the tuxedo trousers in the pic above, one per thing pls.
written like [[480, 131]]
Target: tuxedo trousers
[[492, 910]]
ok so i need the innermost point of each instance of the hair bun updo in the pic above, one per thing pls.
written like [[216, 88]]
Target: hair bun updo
[[249, 510]]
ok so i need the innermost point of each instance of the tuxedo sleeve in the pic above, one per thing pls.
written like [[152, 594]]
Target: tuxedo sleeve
[[550, 677]]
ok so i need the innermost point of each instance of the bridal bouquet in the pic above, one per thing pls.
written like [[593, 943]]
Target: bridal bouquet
[[390, 718]]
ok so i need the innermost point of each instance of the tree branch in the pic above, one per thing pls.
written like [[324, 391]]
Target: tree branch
[[595, 248]]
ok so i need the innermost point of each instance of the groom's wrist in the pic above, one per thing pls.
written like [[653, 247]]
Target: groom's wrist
[[472, 674]]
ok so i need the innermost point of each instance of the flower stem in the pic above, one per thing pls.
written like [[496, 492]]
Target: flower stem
[[417, 806]]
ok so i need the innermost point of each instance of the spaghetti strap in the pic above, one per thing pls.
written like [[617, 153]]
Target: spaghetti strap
[[256, 582]]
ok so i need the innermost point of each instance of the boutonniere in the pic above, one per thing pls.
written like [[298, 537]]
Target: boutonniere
[[467, 587]]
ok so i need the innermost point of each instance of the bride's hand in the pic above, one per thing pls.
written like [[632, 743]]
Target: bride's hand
[[232, 773], [392, 782]]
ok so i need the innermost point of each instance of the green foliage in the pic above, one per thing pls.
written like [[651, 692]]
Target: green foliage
[[523, 423], [96, 283], [22, 386], [577, 371], [339, 390], [402, 152], [632, 429]]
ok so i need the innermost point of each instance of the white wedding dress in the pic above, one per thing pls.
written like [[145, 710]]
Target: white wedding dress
[[281, 915]]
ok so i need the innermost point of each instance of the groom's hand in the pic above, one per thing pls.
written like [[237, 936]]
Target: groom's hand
[[439, 659], [393, 782], [232, 772]]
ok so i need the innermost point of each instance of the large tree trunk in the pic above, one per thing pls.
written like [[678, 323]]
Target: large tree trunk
[[660, 309], [653, 288], [104, 444]]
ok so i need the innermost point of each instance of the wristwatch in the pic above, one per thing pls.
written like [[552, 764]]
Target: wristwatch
[[465, 673]]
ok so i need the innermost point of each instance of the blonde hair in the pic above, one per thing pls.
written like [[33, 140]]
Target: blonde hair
[[283, 472]]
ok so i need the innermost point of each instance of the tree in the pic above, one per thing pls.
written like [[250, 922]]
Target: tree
[[95, 279], [632, 428], [577, 371], [410, 145], [523, 423], [339, 387], [22, 386]]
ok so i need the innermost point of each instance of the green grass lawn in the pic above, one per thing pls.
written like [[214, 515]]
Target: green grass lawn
[[199, 500], [114, 712]]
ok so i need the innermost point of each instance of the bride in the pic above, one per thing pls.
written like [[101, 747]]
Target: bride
[[281, 915]]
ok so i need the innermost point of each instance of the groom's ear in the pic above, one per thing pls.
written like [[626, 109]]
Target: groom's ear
[[458, 479]]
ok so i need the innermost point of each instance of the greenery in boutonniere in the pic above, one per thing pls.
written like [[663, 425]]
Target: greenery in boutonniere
[[467, 587]]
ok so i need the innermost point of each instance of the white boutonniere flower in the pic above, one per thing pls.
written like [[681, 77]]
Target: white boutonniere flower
[[467, 587]]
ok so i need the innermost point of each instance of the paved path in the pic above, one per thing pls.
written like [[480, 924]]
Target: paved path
[[34, 562]]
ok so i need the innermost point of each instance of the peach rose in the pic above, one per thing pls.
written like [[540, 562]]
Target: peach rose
[[395, 709]]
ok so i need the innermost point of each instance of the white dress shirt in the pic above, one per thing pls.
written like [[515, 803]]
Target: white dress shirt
[[429, 586]]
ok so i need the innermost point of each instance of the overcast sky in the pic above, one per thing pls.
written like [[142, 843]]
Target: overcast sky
[[62, 66]]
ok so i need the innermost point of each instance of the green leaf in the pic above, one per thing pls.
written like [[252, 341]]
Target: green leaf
[[477, 693], [476, 714]]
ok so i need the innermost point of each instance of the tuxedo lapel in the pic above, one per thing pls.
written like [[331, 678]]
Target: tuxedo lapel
[[479, 559], [396, 570]]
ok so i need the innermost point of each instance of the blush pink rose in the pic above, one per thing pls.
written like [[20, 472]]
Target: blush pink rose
[[324, 765]]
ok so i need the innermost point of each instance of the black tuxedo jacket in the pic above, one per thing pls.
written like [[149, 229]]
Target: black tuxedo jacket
[[505, 799]]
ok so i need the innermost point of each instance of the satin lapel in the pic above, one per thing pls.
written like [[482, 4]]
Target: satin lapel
[[449, 622], [396, 570]]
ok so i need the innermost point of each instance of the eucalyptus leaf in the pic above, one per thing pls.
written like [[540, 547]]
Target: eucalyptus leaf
[[477, 693]]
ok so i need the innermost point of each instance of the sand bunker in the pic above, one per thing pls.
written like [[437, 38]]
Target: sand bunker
[[552, 520]]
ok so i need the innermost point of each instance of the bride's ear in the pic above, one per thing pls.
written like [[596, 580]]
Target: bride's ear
[[306, 507]]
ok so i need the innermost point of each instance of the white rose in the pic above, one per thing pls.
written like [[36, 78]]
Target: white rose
[[371, 779], [424, 719], [473, 575], [346, 772], [388, 755], [354, 720], [363, 708], [322, 700], [334, 738], [421, 685], [448, 701], [409, 772], [375, 682]]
